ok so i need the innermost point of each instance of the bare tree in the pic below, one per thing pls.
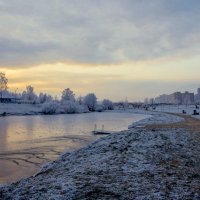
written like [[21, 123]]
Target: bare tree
[[3, 84]]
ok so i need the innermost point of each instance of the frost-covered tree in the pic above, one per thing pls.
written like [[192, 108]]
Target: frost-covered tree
[[49, 107], [68, 95], [68, 103], [90, 101], [29, 94], [3, 83], [80, 100], [43, 97], [107, 104], [70, 107]]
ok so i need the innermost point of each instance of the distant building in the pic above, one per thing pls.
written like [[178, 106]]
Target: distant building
[[164, 98], [197, 96], [176, 98], [187, 98], [198, 91]]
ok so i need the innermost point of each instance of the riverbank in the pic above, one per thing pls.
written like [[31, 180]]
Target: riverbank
[[134, 164], [142, 163], [13, 109]]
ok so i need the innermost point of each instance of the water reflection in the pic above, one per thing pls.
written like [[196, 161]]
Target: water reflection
[[26, 142]]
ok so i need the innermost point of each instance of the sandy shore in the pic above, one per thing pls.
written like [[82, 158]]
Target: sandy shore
[[155, 162]]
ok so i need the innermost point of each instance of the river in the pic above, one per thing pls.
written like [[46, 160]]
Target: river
[[27, 142]]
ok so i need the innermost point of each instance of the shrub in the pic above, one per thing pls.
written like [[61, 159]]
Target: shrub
[[49, 107], [70, 107]]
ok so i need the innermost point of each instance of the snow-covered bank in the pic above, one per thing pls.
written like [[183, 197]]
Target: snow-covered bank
[[39, 109], [152, 117], [178, 109], [134, 164], [189, 109], [20, 109], [158, 118], [36, 109]]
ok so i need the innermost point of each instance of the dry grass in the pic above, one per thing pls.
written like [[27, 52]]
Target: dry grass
[[190, 123]]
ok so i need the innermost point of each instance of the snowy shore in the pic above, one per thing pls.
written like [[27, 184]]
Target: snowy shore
[[156, 118], [20, 109], [139, 163], [36, 109], [134, 164]]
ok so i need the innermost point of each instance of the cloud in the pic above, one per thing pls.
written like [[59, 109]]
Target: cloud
[[96, 32]]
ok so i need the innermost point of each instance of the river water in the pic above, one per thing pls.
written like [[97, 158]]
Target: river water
[[27, 142]]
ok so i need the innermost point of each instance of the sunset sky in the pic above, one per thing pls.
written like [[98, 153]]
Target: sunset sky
[[115, 48]]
